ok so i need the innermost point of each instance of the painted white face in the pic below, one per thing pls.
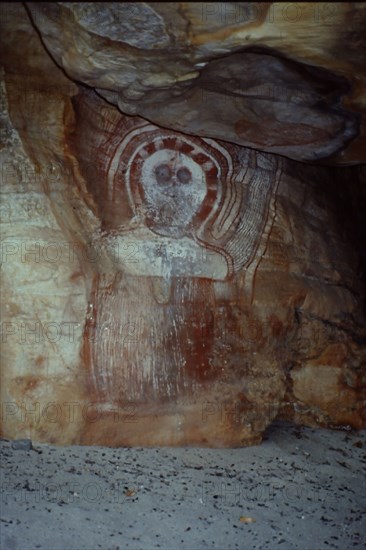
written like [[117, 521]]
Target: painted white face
[[174, 187]]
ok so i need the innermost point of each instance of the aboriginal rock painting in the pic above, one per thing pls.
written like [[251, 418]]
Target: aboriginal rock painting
[[184, 219]]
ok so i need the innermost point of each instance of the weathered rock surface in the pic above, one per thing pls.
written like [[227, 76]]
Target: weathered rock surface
[[161, 288], [284, 78]]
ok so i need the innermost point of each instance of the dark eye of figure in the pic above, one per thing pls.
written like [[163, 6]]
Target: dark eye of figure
[[163, 173], [184, 175]]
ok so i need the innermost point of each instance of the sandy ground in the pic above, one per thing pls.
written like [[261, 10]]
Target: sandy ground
[[301, 489]]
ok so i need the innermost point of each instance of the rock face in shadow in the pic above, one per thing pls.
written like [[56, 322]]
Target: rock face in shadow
[[282, 78], [165, 288]]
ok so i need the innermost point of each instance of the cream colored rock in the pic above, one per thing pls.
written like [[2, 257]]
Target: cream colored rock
[[161, 288], [284, 78]]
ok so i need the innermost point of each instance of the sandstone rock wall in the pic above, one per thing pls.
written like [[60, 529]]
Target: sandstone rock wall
[[169, 288]]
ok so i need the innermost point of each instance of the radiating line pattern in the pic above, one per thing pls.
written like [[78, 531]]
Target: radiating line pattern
[[223, 204], [155, 333]]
